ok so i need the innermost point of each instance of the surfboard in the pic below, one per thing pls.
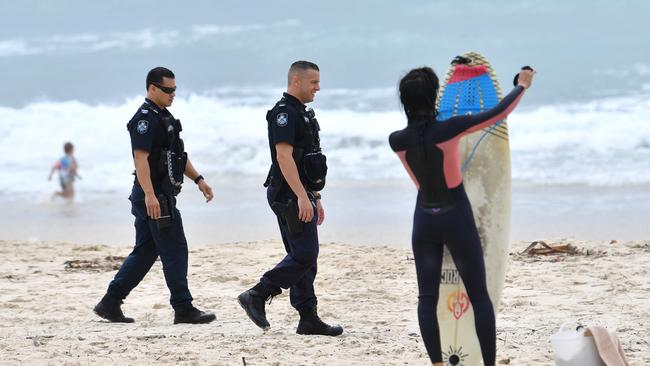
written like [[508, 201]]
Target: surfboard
[[473, 88]]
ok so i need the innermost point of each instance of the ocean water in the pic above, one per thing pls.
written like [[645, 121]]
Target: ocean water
[[99, 52], [74, 70], [603, 143]]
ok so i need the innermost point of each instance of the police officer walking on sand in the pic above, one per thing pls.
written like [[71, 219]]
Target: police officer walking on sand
[[297, 174], [160, 163]]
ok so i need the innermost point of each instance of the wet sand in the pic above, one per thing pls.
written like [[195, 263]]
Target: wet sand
[[357, 212]]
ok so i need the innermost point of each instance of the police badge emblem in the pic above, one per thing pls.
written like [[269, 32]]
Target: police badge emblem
[[282, 119], [143, 126]]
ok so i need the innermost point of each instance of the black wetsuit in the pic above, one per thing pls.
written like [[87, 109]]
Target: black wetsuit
[[443, 216]]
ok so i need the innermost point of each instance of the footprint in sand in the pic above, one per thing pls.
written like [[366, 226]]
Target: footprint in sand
[[99, 344], [220, 278], [18, 299]]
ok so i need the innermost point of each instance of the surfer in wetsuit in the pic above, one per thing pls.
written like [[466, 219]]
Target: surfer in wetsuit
[[428, 148]]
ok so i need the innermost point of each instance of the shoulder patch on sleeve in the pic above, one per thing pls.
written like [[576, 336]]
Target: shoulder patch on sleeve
[[144, 111], [282, 119], [142, 126]]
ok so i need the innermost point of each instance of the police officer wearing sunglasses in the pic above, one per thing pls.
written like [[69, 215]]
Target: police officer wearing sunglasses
[[297, 174], [160, 164]]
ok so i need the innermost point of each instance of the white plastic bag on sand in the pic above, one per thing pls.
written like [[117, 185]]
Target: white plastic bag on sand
[[573, 348]]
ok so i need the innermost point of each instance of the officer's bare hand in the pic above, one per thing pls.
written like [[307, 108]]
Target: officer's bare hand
[[206, 190], [305, 209], [321, 212], [153, 206], [526, 78]]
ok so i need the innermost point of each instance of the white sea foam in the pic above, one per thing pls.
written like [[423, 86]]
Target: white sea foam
[[13, 47], [602, 143]]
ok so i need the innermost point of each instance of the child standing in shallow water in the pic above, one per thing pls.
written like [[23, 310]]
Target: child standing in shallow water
[[67, 168]]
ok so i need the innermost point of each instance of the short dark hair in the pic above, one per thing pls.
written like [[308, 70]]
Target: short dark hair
[[156, 75], [67, 147], [301, 66], [418, 91]]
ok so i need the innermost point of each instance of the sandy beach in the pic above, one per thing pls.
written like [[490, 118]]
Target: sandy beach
[[47, 291]]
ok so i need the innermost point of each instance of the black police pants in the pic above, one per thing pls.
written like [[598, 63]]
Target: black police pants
[[297, 270], [150, 242]]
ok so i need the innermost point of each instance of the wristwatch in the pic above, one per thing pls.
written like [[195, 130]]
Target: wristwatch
[[198, 179]]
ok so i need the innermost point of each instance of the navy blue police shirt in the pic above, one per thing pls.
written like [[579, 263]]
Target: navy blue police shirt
[[287, 122], [148, 133]]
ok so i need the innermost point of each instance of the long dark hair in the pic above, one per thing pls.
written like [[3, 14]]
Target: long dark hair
[[418, 91]]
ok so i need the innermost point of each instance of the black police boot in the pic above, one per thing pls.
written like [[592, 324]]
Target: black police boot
[[109, 309], [311, 324], [253, 302], [187, 313]]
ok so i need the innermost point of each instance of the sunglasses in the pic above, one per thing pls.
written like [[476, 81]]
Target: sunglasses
[[165, 89]]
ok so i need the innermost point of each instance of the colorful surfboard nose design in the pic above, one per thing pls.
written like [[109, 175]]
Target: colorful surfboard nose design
[[470, 90]]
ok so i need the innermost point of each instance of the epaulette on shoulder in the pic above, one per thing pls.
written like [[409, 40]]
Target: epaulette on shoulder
[[148, 110]]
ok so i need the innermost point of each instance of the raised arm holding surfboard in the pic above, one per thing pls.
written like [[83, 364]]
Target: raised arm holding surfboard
[[429, 148]]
